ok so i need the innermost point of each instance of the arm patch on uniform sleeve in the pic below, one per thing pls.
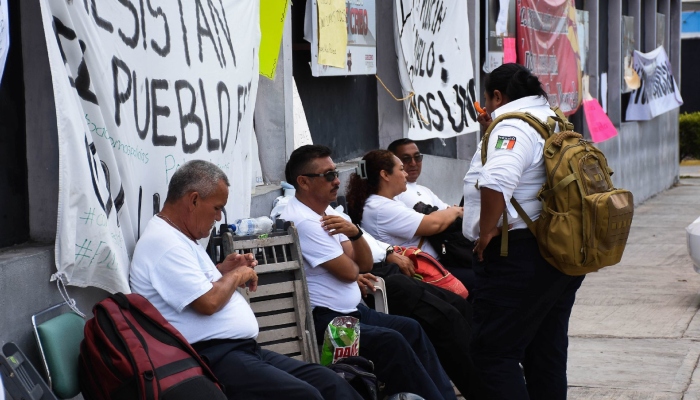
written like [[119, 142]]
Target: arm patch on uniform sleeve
[[505, 143]]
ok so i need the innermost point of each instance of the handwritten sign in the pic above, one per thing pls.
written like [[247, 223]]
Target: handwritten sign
[[332, 33], [509, 54], [4, 35], [599, 124], [141, 91], [271, 28]]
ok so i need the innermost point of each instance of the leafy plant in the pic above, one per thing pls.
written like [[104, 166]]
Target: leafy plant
[[689, 135]]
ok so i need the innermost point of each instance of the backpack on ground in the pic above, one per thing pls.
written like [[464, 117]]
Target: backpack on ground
[[359, 373], [429, 270], [585, 220], [454, 250], [131, 352]]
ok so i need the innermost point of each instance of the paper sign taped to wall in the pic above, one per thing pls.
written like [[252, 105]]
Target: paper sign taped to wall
[[332, 33], [599, 125], [271, 27]]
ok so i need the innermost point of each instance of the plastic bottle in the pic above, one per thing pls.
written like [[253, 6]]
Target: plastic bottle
[[253, 226]]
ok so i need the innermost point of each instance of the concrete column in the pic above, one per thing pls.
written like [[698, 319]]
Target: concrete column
[[390, 112], [674, 52], [649, 26], [592, 6], [274, 118], [42, 131], [615, 61], [466, 144]]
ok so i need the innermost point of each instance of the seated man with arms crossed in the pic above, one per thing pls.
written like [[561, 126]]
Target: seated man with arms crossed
[[199, 298], [334, 254]]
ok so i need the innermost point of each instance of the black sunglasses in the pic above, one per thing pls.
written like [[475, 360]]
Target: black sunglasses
[[330, 175], [407, 159]]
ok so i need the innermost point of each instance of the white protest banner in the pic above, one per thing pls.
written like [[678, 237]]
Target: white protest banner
[[658, 92], [4, 35], [435, 67], [140, 88], [361, 50]]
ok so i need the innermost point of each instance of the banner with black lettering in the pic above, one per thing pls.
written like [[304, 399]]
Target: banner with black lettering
[[658, 92], [548, 46], [435, 68], [140, 88]]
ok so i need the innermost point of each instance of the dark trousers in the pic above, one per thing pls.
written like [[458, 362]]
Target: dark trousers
[[403, 357], [249, 372], [446, 319], [522, 307]]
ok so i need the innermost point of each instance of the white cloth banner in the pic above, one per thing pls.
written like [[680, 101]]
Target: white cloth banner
[[435, 64], [141, 88], [658, 93], [4, 35]]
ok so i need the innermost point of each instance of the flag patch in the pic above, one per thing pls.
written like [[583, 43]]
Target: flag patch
[[505, 143]]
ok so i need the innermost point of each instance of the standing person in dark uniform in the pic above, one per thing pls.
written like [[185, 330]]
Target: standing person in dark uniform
[[522, 304]]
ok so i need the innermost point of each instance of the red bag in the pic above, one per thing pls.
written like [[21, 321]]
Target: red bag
[[431, 271], [131, 352]]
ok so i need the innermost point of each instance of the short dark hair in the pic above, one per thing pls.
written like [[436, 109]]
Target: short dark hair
[[300, 160], [514, 81], [394, 146], [195, 176]]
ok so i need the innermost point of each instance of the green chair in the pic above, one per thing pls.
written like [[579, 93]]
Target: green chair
[[59, 340]]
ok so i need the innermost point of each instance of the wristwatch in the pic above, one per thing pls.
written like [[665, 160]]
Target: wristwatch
[[389, 251], [359, 234]]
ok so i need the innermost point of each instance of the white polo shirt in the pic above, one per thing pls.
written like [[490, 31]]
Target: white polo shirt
[[415, 193], [514, 166], [318, 247], [392, 222]]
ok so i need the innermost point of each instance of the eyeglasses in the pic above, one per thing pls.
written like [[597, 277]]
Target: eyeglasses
[[407, 159], [330, 175]]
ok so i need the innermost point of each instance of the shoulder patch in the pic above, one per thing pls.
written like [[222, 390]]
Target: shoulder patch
[[505, 143]]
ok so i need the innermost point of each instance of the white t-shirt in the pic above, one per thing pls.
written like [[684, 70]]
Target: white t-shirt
[[415, 193], [392, 222], [514, 166], [318, 247], [172, 271]]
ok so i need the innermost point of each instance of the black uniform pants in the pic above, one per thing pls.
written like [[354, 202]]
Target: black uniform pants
[[522, 307]]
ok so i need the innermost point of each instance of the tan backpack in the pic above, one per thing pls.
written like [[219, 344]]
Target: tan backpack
[[585, 220]]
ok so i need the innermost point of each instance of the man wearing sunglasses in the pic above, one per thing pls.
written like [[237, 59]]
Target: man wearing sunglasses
[[335, 254], [407, 151]]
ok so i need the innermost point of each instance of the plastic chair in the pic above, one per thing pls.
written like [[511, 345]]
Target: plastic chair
[[59, 344], [380, 303]]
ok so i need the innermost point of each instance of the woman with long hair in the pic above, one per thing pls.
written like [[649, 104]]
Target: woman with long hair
[[522, 304], [370, 197]]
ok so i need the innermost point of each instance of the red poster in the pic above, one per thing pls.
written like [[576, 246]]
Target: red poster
[[548, 46]]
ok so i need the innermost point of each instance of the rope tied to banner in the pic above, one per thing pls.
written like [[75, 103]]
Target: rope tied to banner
[[58, 277], [409, 97]]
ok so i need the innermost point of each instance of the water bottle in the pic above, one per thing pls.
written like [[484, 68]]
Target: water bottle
[[253, 226]]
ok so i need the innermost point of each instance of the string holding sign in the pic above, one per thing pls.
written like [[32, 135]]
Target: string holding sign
[[409, 97]]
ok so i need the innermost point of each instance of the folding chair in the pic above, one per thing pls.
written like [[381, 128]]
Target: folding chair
[[281, 302], [59, 340]]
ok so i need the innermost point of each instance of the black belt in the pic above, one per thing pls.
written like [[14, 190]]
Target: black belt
[[205, 344]]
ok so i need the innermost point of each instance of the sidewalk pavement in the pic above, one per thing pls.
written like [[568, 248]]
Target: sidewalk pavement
[[635, 327]]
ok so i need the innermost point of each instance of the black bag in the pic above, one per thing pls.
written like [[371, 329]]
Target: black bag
[[453, 249], [359, 372]]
